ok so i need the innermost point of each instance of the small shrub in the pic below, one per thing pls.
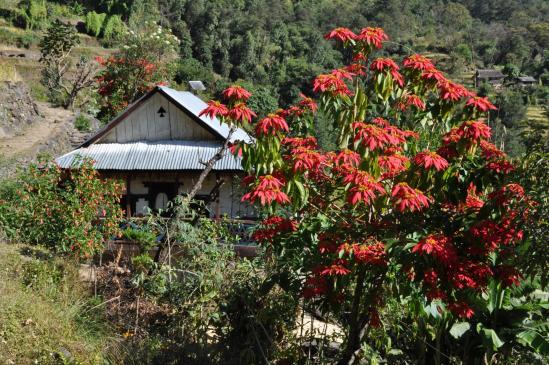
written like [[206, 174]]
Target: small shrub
[[82, 123], [94, 22], [113, 28], [34, 14], [62, 211], [27, 39]]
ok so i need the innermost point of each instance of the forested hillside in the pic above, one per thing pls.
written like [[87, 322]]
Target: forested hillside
[[276, 47]]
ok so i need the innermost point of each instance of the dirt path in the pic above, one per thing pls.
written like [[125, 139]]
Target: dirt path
[[27, 142]]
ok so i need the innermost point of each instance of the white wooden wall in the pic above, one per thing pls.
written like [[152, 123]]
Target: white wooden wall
[[145, 124]]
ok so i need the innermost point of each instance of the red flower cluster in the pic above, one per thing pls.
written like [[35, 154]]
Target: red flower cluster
[[406, 198], [418, 62], [341, 34], [371, 254], [473, 201], [489, 151], [372, 36], [461, 309], [387, 64], [271, 125], [315, 286], [501, 166], [473, 130], [347, 159], [428, 159], [273, 226], [294, 142], [364, 188], [337, 268], [306, 159], [236, 92], [451, 91], [307, 103], [374, 137], [213, 109], [438, 246], [392, 163], [414, 100], [480, 103], [241, 113], [332, 83], [506, 194], [267, 191]]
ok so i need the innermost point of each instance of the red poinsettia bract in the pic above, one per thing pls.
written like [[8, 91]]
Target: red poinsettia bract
[[271, 125], [480, 103], [236, 92], [213, 109], [372, 36], [273, 226], [418, 62], [341, 34], [267, 191], [241, 113], [406, 198], [428, 159]]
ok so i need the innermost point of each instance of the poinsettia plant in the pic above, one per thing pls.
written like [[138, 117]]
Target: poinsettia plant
[[414, 190]]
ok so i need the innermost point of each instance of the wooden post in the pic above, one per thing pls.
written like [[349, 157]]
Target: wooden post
[[218, 182], [128, 198]]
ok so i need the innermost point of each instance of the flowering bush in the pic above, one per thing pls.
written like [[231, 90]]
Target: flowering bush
[[142, 62], [415, 191], [70, 211]]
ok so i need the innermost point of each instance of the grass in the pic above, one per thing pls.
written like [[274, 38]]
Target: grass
[[48, 316]]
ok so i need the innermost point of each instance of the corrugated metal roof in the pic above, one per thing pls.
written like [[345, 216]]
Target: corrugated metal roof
[[158, 155], [195, 105], [526, 79]]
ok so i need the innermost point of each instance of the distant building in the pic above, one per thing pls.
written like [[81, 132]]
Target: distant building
[[526, 80], [158, 146], [489, 76]]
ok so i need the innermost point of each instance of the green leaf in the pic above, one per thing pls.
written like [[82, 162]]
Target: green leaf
[[459, 328], [490, 338], [534, 340]]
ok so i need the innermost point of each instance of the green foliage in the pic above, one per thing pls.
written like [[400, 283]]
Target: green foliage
[[55, 48], [533, 173], [47, 314], [34, 13], [62, 210], [145, 60], [222, 309], [94, 22], [82, 123], [191, 69], [113, 28]]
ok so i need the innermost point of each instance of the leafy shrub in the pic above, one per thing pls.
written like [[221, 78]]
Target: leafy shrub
[[142, 62], [67, 211], [34, 14], [113, 28], [94, 23], [82, 123]]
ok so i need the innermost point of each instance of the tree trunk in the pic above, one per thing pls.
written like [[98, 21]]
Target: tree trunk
[[356, 328], [209, 166]]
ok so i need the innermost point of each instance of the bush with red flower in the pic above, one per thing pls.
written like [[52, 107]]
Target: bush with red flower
[[415, 192], [143, 62], [70, 211]]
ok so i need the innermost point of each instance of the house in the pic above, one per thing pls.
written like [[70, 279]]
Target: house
[[490, 76], [158, 146], [526, 81]]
